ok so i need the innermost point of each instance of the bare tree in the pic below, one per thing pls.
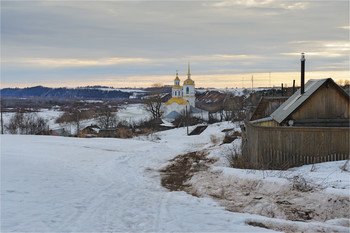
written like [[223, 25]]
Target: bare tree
[[106, 117], [29, 123], [75, 114], [227, 108], [153, 102], [231, 106]]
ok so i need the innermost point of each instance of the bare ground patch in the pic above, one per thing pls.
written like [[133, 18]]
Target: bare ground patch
[[192, 173], [182, 168]]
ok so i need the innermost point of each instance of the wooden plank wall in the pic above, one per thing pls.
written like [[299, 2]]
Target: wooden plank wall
[[284, 147]]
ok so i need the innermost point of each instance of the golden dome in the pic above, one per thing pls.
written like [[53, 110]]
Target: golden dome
[[188, 82], [178, 100], [177, 87]]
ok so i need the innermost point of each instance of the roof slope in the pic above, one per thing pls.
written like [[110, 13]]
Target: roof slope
[[178, 100], [290, 105], [266, 106]]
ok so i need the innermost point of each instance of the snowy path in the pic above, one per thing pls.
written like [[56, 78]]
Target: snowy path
[[54, 184]]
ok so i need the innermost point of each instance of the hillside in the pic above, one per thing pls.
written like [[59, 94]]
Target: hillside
[[83, 92], [57, 184]]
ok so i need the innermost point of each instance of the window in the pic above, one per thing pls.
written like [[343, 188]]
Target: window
[[187, 90]]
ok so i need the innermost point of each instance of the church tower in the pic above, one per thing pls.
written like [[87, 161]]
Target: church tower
[[188, 89], [176, 89]]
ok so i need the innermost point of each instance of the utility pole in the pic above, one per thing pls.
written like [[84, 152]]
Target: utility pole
[[186, 120]]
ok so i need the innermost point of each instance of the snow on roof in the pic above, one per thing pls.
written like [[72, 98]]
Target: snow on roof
[[166, 123], [172, 115], [291, 104]]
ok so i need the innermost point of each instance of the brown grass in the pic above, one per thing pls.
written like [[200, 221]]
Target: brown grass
[[182, 168]]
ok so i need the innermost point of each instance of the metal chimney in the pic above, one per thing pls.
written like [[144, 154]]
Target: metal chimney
[[293, 86], [302, 81]]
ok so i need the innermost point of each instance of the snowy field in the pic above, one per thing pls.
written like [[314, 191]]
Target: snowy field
[[58, 184], [131, 113]]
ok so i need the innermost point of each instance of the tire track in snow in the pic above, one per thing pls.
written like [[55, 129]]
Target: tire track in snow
[[83, 207]]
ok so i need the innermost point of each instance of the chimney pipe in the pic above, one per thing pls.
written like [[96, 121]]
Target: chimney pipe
[[293, 86], [282, 90], [302, 81]]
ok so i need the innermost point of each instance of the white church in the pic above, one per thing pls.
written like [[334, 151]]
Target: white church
[[182, 97]]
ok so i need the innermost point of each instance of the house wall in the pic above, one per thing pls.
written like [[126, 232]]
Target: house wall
[[283, 147], [190, 96], [325, 103]]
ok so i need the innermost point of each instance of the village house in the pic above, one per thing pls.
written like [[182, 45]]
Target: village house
[[310, 126]]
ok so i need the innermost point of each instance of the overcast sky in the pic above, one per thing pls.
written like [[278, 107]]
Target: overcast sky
[[137, 43]]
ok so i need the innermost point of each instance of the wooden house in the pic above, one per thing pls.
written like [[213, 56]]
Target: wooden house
[[310, 126], [323, 104]]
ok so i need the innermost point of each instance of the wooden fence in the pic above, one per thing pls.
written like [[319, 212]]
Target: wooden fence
[[284, 147]]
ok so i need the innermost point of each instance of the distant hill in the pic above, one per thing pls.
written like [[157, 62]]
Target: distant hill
[[80, 92]]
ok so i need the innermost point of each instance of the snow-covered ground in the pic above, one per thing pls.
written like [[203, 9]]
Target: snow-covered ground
[[132, 113], [58, 184], [48, 114]]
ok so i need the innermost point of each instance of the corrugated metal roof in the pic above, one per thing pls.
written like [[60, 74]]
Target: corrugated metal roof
[[297, 99]]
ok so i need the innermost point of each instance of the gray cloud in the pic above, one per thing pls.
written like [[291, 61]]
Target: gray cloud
[[156, 38]]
